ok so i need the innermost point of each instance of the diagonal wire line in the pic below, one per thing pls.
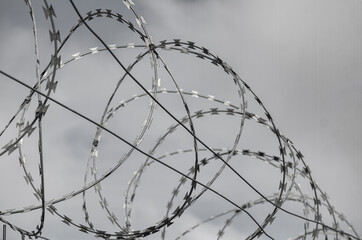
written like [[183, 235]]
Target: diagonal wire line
[[131, 145]]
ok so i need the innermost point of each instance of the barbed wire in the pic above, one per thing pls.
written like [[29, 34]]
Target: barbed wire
[[320, 219]]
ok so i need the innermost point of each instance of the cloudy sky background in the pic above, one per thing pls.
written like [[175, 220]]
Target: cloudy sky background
[[302, 58]]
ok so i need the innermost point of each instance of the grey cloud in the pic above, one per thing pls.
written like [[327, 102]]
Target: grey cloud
[[301, 59]]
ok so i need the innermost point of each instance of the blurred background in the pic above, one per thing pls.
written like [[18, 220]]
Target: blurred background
[[301, 58]]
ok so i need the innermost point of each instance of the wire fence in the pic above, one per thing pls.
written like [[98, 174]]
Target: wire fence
[[316, 217]]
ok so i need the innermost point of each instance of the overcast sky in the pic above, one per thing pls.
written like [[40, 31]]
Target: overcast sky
[[301, 58]]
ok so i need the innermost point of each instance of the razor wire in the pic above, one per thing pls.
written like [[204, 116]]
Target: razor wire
[[320, 219]]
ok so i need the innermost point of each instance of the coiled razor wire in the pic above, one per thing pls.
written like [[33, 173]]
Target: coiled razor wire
[[319, 218]]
